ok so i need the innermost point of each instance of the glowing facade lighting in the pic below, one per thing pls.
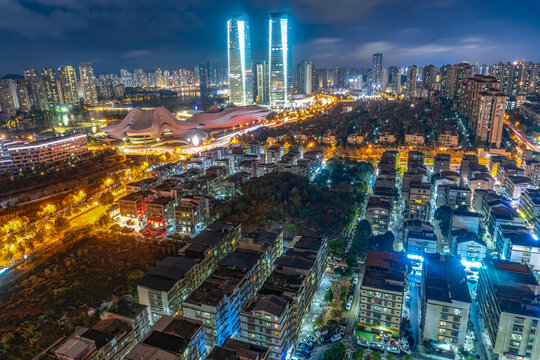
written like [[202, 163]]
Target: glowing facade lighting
[[280, 61], [239, 60]]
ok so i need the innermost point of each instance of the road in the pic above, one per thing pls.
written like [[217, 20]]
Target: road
[[530, 144]]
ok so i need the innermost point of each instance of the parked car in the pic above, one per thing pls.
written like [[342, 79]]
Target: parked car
[[311, 338], [348, 354], [336, 337], [377, 346], [342, 330], [363, 343]]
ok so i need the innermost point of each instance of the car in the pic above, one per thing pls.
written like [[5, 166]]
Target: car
[[472, 281], [301, 354], [348, 306], [303, 347], [362, 343], [310, 338], [336, 337], [342, 330], [311, 344], [393, 349], [405, 349], [376, 346], [348, 354], [355, 281], [407, 295]]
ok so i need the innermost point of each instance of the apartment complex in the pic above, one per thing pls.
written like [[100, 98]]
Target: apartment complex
[[171, 338], [446, 301], [273, 317], [164, 288], [508, 301], [382, 290], [60, 151]]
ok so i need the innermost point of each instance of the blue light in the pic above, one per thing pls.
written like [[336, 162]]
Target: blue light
[[415, 257], [196, 107]]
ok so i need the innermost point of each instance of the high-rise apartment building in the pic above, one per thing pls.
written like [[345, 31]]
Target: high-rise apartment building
[[304, 73], [412, 73], [139, 78], [280, 57], [239, 60], [8, 97], [489, 117], [429, 74], [69, 85], [395, 79], [126, 78], [377, 73], [88, 84], [473, 87], [158, 74], [23, 96], [261, 87], [381, 301], [50, 88], [446, 300], [507, 296], [35, 89]]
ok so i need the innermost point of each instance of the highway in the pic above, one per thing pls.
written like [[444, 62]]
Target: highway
[[530, 144]]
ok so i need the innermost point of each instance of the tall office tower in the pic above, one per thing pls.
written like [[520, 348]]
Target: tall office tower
[[429, 74], [126, 78], [261, 86], [8, 97], [22, 96], [395, 79], [239, 60], [139, 78], [304, 73], [412, 73], [35, 89], [280, 56], [68, 84], [376, 73], [50, 88], [489, 117], [88, 84], [158, 74]]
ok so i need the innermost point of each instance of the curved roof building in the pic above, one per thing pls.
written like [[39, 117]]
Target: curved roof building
[[148, 125]]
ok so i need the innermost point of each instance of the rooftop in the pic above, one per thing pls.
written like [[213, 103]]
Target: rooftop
[[127, 308], [385, 270], [271, 304], [164, 276], [235, 350], [444, 279], [514, 285]]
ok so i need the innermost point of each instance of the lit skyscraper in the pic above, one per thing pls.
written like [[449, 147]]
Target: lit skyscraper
[[280, 56], [126, 78], [68, 83], [35, 89], [239, 60], [304, 74], [50, 88], [261, 82], [377, 73], [88, 84]]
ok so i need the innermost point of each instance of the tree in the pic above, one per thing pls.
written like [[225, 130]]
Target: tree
[[443, 215], [376, 355], [332, 325], [104, 220], [390, 357], [336, 352], [351, 262], [359, 354], [360, 240], [61, 223], [106, 198], [408, 357], [328, 295]]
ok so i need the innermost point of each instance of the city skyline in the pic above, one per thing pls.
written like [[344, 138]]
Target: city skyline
[[427, 34]]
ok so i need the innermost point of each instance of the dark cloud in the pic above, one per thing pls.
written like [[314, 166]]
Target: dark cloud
[[175, 33]]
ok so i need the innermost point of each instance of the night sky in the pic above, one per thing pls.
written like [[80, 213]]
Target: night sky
[[114, 34]]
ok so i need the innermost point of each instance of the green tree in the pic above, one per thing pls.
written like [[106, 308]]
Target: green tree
[[443, 215], [408, 357], [332, 325], [351, 262], [61, 223], [328, 295], [359, 354], [104, 220], [336, 352], [390, 357], [106, 198], [376, 355]]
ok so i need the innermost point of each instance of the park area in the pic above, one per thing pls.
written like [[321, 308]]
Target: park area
[[89, 266]]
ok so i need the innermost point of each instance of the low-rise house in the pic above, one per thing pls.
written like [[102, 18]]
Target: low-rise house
[[160, 212], [516, 243], [516, 185], [468, 246]]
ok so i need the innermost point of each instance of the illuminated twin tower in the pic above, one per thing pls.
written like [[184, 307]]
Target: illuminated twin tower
[[270, 84]]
